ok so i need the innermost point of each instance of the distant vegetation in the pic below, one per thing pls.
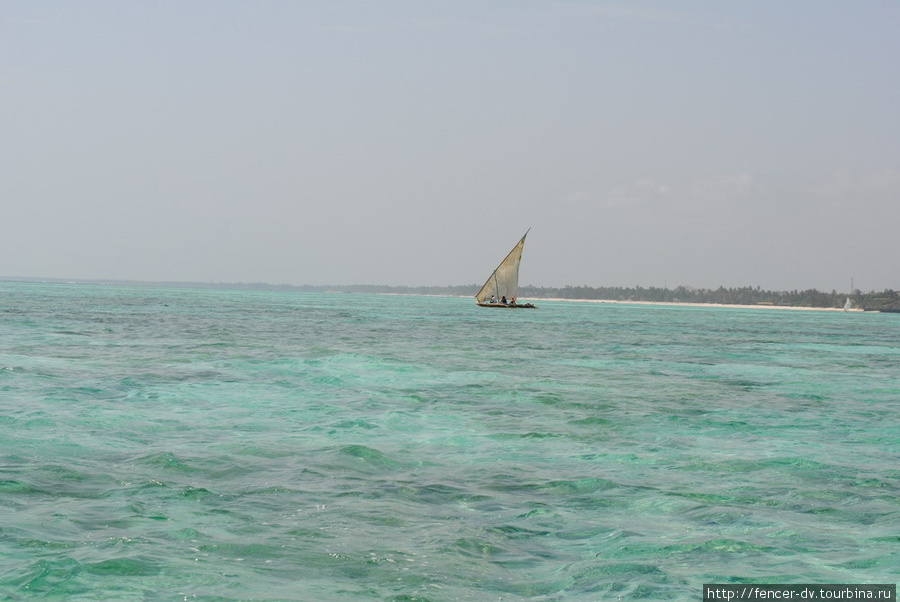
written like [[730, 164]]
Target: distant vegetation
[[887, 300]]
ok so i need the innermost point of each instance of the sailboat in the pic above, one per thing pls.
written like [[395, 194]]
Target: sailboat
[[502, 288], [847, 305]]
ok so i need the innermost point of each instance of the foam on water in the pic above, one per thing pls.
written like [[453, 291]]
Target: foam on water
[[169, 443]]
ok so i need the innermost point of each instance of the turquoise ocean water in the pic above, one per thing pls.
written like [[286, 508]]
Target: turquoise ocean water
[[226, 445]]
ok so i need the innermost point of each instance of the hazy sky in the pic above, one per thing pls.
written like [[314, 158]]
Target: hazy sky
[[410, 142]]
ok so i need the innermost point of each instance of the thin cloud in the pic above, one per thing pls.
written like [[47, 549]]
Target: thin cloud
[[629, 12], [871, 186]]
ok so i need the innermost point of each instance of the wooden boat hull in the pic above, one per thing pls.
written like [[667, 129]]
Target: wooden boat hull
[[509, 306]]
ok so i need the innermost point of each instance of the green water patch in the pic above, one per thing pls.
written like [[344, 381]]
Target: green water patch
[[370, 456], [438, 494], [542, 510], [363, 459], [710, 548], [48, 578], [617, 569], [357, 424], [12, 486], [602, 580], [531, 435], [515, 532], [123, 567], [738, 498], [167, 460], [246, 551], [57, 481], [480, 548], [883, 564], [591, 422], [582, 533], [579, 486], [196, 493]]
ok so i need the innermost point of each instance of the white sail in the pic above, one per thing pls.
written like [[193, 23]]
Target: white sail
[[847, 304], [504, 282]]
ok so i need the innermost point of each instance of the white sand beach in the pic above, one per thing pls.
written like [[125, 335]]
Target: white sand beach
[[684, 304]]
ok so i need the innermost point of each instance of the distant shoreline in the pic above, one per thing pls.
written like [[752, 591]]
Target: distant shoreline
[[538, 300], [727, 305]]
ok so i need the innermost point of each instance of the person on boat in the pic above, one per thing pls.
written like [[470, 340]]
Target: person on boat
[[493, 299], [503, 300], [512, 301]]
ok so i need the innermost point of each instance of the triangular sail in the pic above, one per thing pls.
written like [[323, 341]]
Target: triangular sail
[[504, 282]]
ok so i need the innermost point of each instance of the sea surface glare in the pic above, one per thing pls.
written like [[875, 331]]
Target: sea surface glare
[[165, 443]]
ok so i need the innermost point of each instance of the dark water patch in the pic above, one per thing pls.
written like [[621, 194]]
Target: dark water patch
[[273, 490], [549, 399], [186, 534], [793, 466], [479, 548], [539, 509], [99, 521], [595, 503], [196, 493], [719, 516], [35, 539], [704, 418], [123, 567], [725, 546], [886, 562], [506, 482], [718, 499], [9, 486], [246, 551], [582, 533], [622, 569], [806, 397], [166, 460], [532, 435], [45, 577], [152, 489], [370, 458], [355, 424], [579, 486], [851, 516], [274, 452], [514, 532], [367, 493], [618, 580], [805, 466], [745, 385], [592, 421], [60, 482], [327, 381], [77, 393], [309, 533], [739, 465], [437, 494]]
